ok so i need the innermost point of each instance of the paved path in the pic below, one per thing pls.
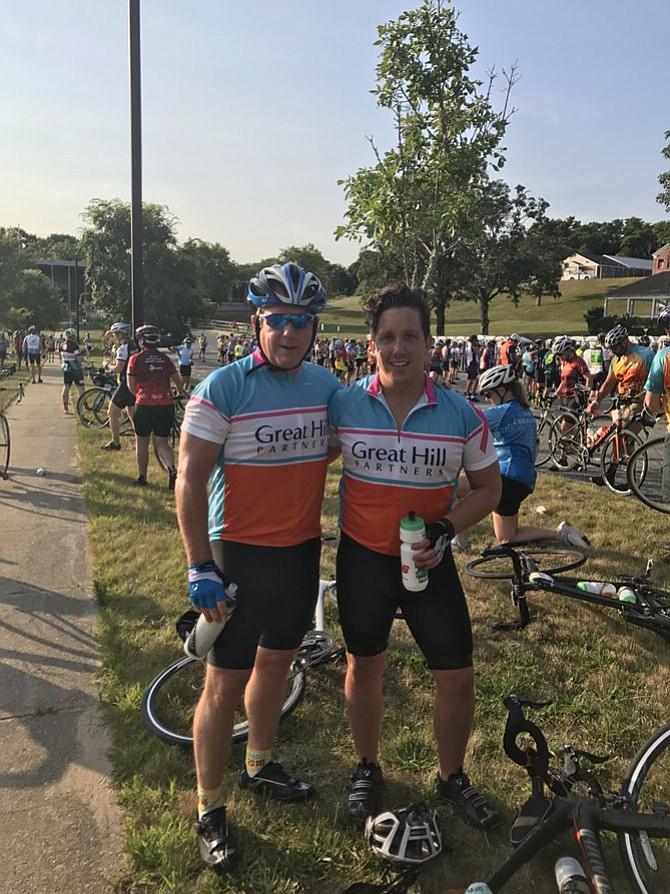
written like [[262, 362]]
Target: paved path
[[60, 824]]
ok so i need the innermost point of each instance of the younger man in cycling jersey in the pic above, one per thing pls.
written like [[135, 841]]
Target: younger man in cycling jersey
[[259, 427]]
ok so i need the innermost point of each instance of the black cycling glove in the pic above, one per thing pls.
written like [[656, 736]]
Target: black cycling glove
[[440, 534]]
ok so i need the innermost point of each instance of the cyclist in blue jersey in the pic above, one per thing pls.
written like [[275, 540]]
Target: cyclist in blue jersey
[[255, 431], [515, 440]]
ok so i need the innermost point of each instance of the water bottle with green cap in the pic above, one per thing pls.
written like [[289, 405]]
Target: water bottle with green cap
[[412, 530]]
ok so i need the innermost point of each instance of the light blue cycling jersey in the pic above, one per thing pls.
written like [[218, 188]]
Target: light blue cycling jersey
[[515, 440], [273, 431]]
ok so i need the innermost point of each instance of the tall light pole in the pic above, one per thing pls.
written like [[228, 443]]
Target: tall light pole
[[137, 284]]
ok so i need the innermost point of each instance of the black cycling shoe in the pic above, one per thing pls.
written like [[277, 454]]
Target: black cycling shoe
[[472, 805], [140, 481], [216, 840], [277, 783], [365, 797], [111, 446], [172, 477]]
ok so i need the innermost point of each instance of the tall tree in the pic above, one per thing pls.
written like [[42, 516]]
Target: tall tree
[[638, 240], [212, 270], [171, 298], [545, 247], [496, 263], [32, 299], [417, 200], [663, 198]]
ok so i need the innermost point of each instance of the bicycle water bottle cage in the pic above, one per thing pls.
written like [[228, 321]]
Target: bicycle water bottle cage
[[185, 623]]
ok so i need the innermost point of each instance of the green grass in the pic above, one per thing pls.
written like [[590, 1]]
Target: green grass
[[609, 682], [553, 317], [343, 315]]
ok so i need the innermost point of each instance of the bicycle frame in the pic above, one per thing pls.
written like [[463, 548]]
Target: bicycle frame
[[586, 821], [646, 612], [586, 818]]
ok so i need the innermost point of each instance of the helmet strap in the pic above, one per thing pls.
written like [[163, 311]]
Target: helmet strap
[[267, 364]]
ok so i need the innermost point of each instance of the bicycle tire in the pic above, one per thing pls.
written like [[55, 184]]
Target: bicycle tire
[[5, 446], [551, 561], [647, 472], [647, 781], [566, 445], [86, 408], [543, 423], [170, 699], [614, 467]]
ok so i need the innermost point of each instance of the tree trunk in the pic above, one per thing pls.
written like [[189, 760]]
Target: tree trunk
[[484, 314], [440, 314], [538, 300]]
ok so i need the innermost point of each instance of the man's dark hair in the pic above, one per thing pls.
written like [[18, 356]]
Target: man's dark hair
[[399, 295]]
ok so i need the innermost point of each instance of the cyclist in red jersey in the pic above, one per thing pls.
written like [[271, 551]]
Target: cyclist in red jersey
[[149, 376], [572, 368]]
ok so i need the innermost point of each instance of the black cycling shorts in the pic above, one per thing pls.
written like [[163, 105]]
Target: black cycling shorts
[[512, 496], [122, 397], [73, 377], [369, 590], [185, 370], [276, 597], [472, 371], [150, 420]]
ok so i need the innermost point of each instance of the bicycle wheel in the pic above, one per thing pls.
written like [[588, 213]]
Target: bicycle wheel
[[91, 408], [170, 700], [552, 560], [647, 782], [649, 474], [5, 444], [566, 442], [543, 422], [616, 451]]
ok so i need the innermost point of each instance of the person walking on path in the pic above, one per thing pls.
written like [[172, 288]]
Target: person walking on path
[[70, 358], [259, 428], [32, 348]]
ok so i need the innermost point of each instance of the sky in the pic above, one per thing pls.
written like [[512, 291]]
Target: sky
[[252, 111]]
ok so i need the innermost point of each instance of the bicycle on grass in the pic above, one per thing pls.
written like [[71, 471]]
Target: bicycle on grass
[[532, 569], [169, 701], [5, 439], [93, 404], [575, 438], [649, 473], [572, 798], [545, 411]]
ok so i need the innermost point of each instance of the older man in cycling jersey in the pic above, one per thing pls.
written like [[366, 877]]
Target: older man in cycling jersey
[[259, 428]]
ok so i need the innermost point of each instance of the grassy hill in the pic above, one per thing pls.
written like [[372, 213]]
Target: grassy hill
[[553, 317]]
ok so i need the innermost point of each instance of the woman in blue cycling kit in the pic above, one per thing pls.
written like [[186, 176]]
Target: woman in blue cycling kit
[[515, 439]]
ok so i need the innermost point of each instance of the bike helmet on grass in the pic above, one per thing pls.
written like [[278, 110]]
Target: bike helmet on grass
[[496, 377], [407, 835], [289, 284], [148, 335], [616, 336]]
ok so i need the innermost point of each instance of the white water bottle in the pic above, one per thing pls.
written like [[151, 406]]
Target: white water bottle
[[597, 586], [205, 633], [626, 594], [570, 877], [412, 530]]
